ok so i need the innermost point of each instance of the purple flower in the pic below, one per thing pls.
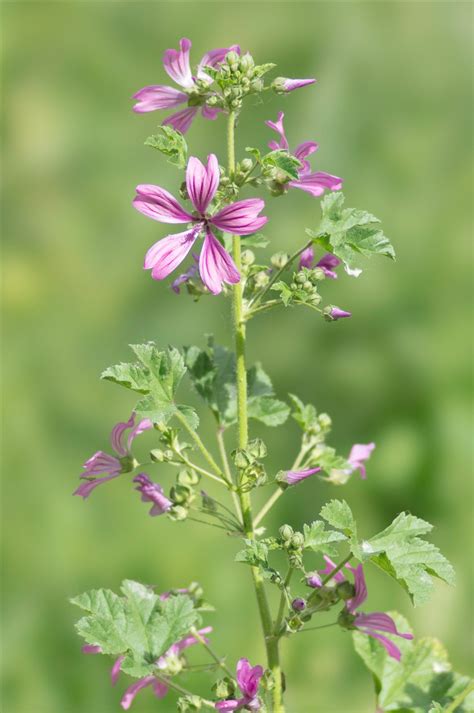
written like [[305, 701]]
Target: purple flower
[[327, 262], [314, 580], [284, 84], [186, 276], [215, 264], [152, 493], [159, 689], [360, 453], [113, 466], [177, 66], [313, 183], [371, 624], [298, 604], [248, 679], [291, 477]]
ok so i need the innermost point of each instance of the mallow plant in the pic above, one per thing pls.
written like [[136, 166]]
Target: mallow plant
[[216, 214]]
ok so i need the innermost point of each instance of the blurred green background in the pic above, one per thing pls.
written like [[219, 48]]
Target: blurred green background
[[392, 113]]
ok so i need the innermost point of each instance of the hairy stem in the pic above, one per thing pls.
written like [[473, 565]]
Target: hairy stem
[[271, 644], [227, 471], [201, 447]]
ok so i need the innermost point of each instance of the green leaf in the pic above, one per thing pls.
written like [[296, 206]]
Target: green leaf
[[255, 554], [137, 625], [287, 164], [350, 233], [171, 143], [305, 415], [317, 538], [338, 514], [257, 240], [400, 551], [422, 680], [286, 293], [156, 375], [213, 374]]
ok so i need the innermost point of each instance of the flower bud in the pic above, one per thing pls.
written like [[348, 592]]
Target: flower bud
[[188, 477], [308, 286], [297, 541], [300, 278], [225, 688], [286, 532], [213, 100], [157, 455], [256, 85], [241, 458], [257, 448], [298, 604], [248, 257], [345, 590], [261, 279], [324, 420], [128, 463], [279, 260], [314, 580], [178, 512], [346, 619], [246, 164], [247, 62], [181, 494], [332, 313], [168, 454], [232, 58], [294, 623], [317, 274]]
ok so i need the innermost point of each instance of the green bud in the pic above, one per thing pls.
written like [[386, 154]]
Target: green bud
[[232, 58], [345, 590], [256, 85], [315, 299], [157, 455], [212, 100], [301, 278], [308, 286], [246, 62], [325, 421], [286, 532], [294, 623], [189, 704], [168, 454], [188, 477], [242, 458], [246, 164], [234, 68], [345, 619], [178, 512], [261, 279], [225, 180], [181, 494], [297, 541], [277, 189], [257, 448], [235, 103], [294, 286], [245, 81], [318, 274], [248, 257], [128, 463], [224, 688], [279, 260]]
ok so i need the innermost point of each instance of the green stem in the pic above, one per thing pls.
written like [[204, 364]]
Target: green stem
[[183, 691], [335, 571], [314, 628], [278, 273], [459, 699], [271, 644], [278, 493], [201, 447], [219, 661], [283, 602], [197, 468], [227, 471]]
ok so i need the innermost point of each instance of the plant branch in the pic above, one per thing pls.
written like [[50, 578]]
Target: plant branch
[[201, 447], [219, 661]]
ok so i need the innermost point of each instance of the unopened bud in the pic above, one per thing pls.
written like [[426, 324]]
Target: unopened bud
[[300, 278], [188, 477], [212, 100], [157, 455], [257, 448], [298, 604], [247, 62], [246, 164], [279, 260], [256, 85], [248, 257], [261, 279], [294, 623], [241, 458], [178, 512], [297, 540], [345, 590], [346, 619], [324, 420], [286, 532], [232, 58], [318, 274]]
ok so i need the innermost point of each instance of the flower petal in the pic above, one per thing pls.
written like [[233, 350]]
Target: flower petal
[[295, 476], [227, 706], [202, 181], [391, 648], [301, 152], [307, 257], [360, 452], [278, 127], [160, 689], [176, 64], [156, 203], [115, 671], [288, 85], [316, 183], [216, 265], [212, 59], [101, 463], [186, 276], [210, 112], [158, 96], [330, 567], [248, 677], [117, 435], [129, 695], [86, 488], [91, 649], [181, 120], [360, 588], [165, 255], [240, 217], [144, 425]]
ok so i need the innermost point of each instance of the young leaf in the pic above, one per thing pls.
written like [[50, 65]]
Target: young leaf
[[171, 143], [257, 240], [422, 680], [286, 164], [256, 555], [156, 375], [404, 555], [318, 539], [213, 374], [350, 233], [338, 514]]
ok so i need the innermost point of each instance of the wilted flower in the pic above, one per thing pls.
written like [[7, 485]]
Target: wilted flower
[[152, 493], [313, 183], [248, 679], [113, 466], [215, 264], [193, 88], [159, 689], [327, 262]]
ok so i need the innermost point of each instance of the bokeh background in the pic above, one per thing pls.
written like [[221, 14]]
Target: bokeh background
[[392, 113]]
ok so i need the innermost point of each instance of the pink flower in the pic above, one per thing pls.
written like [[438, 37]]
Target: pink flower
[[177, 66], [371, 624], [112, 466], [313, 183], [215, 264], [248, 679], [291, 477], [159, 689], [333, 313], [327, 263], [360, 453], [152, 493]]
